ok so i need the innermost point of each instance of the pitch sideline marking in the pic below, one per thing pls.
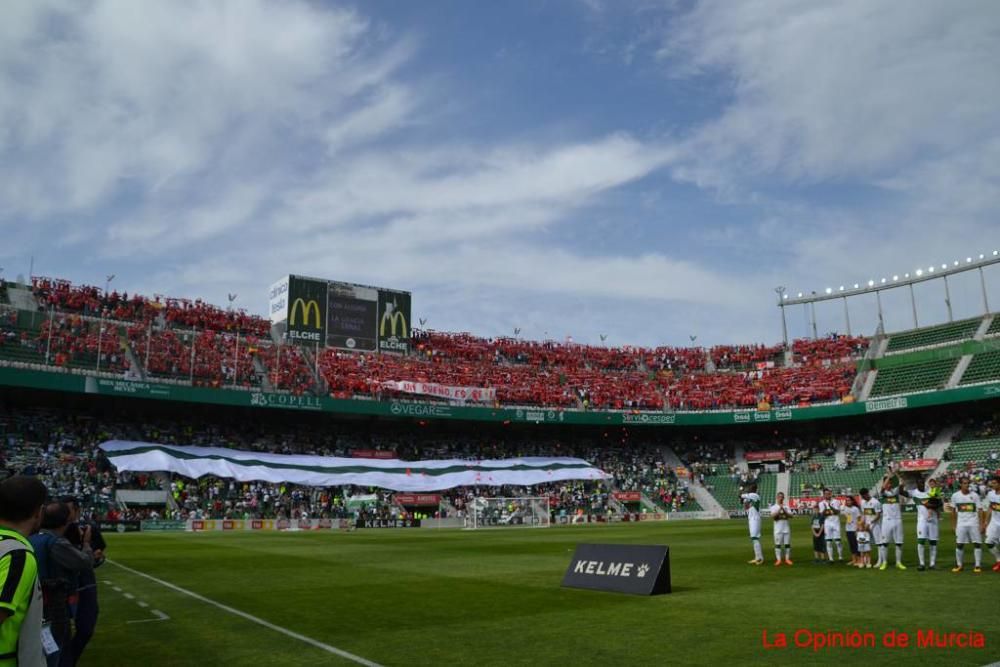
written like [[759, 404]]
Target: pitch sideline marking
[[250, 617], [160, 616]]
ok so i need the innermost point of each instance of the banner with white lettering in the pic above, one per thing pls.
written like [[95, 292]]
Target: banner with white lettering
[[620, 568], [462, 394], [392, 474]]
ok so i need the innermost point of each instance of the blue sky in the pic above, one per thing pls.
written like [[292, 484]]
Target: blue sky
[[648, 170]]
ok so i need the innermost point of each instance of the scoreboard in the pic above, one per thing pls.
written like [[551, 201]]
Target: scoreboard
[[347, 316]]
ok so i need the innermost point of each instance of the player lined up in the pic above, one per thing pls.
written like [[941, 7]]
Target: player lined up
[[879, 521]]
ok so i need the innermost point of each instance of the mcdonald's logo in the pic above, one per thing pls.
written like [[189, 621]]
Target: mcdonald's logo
[[393, 318], [305, 308]]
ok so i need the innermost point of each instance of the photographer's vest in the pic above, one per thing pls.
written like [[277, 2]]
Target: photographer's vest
[[13, 651]]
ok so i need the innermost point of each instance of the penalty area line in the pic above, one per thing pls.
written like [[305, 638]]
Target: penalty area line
[[250, 617]]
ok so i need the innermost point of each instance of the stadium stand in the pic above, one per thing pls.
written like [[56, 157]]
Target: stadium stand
[[994, 327], [61, 447], [984, 367], [914, 377], [234, 350], [936, 335]]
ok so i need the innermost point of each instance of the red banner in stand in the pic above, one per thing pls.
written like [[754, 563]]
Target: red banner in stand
[[918, 464], [627, 496], [372, 454], [773, 455], [423, 499]]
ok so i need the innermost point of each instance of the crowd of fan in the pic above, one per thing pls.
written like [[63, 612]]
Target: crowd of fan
[[62, 449], [184, 313], [531, 373]]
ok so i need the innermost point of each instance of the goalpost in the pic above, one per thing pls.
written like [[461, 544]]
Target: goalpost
[[522, 512]]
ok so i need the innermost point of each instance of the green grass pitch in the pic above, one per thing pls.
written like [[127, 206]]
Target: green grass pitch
[[493, 597]]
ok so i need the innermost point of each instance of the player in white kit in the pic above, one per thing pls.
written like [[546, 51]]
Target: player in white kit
[[929, 506], [782, 532], [751, 503], [965, 520], [871, 512], [830, 508], [991, 517], [892, 521]]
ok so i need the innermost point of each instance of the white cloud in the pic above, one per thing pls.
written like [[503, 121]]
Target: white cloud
[[211, 147], [841, 90]]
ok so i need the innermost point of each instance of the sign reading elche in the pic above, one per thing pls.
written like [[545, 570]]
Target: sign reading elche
[[620, 568]]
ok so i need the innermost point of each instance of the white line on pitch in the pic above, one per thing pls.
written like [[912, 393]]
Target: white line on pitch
[[259, 621], [160, 616], [143, 604], [117, 589], [129, 596]]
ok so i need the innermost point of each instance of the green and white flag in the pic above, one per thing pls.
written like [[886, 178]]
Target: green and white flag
[[391, 474]]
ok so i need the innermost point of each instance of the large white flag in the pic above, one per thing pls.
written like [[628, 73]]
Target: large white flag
[[393, 474]]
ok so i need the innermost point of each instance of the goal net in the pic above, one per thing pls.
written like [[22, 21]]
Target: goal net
[[523, 512]]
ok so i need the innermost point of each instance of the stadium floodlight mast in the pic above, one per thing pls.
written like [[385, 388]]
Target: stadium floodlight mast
[[908, 280], [780, 291]]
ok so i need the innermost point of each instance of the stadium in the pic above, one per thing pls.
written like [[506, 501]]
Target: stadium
[[277, 382], [680, 433]]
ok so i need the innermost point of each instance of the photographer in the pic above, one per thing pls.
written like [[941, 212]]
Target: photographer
[[86, 606], [60, 566]]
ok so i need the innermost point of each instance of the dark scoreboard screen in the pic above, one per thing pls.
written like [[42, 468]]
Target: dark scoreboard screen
[[351, 314]]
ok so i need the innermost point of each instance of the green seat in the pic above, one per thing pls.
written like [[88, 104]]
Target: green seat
[[936, 335], [984, 367], [913, 377]]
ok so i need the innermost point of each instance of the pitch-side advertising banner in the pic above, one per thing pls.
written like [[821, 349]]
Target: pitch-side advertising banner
[[773, 455], [918, 464], [391, 474], [476, 394]]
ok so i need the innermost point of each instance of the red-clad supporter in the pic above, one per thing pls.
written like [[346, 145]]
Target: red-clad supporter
[[88, 300], [743, 356], [287, 367], [830, 348], [226, 345]]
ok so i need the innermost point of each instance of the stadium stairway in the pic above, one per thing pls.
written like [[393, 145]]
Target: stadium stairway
[[959, 371], [739, 459], [783, 482], [840, 458], [310, 358], [133, 360], [647, 504], [940, 445], [707, 501], [698, 492], [21, 297], [261, 369], [163, 479]]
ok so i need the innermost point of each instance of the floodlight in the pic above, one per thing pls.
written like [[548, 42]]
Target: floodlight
[[968, 260], [856, 286], [930, 269], [920, 272], [871, 283], [829, 290], [800, 295]]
